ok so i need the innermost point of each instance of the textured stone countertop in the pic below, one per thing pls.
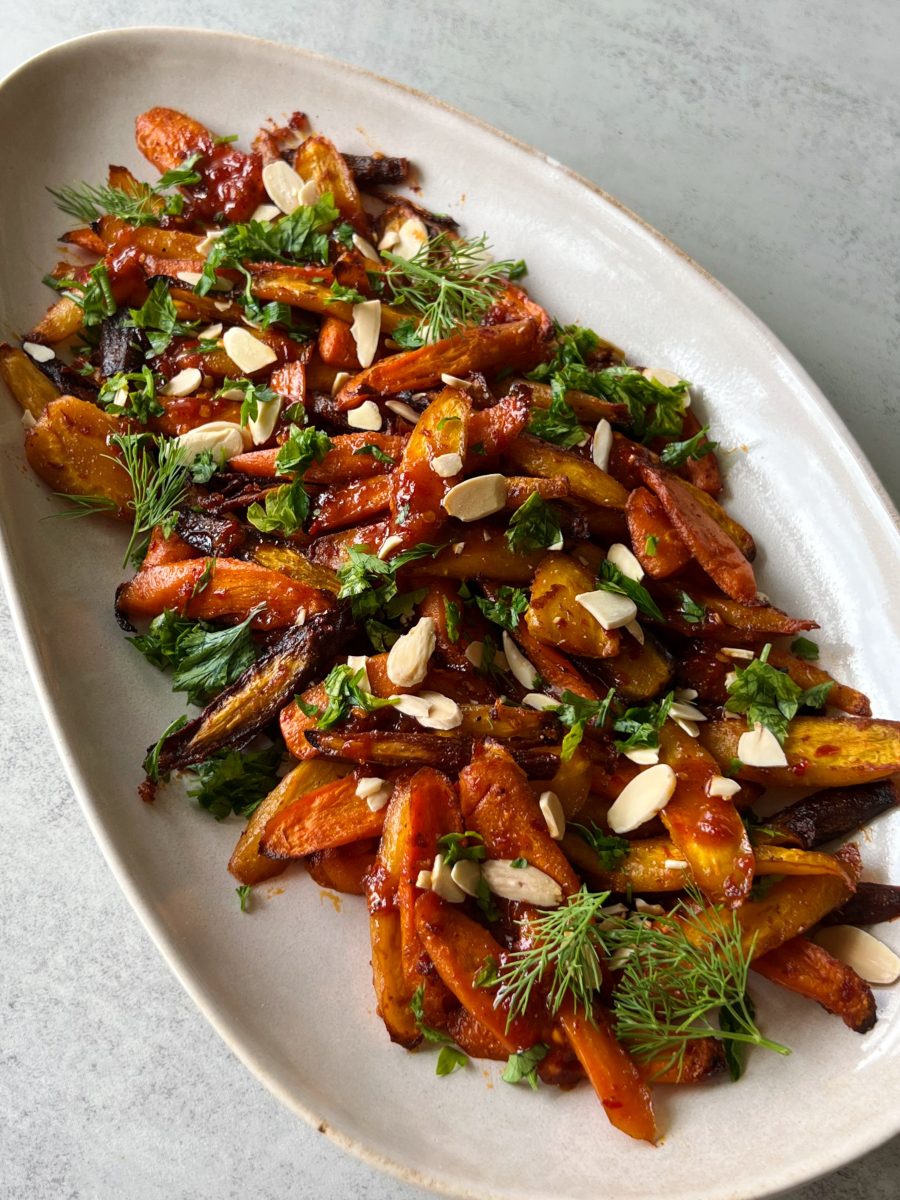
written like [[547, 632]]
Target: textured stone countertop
[[762, 139]]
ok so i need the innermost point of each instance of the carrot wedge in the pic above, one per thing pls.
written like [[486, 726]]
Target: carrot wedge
[[233, 588], [485, 348], [459, 948], [614, 1076], [809, 970], [332, 815], [713, 549], [707, 830]]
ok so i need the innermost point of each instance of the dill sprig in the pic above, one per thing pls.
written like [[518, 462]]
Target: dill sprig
[[685, 978], [564, 956], [159, 482], [142, 205], [82, 506], [682, 976], [449, 281]]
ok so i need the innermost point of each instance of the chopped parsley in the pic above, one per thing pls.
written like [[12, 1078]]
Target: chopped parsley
[[692, 612], [640, 725], [205, 659], [769, 697], [253, 395], [138, 395], [558, 423], [345, 691], [234, 782], [613, 580], [458, 846], [375, 452], [522, 1067], [158, 318], [243, 894], [534, 526], [450, 1059], [609, 848], [805, 649], [676, 454], [577, 713], [505, 611]]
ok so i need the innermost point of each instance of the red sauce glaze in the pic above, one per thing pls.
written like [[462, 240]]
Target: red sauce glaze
[[827, 751], [230, 185]]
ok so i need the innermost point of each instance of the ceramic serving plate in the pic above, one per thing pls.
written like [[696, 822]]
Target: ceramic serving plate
[[288, 988]]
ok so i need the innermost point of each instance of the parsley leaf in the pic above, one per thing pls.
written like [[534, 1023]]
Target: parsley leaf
[[234, 782], [452, 616], [458, 846], [204, 466], [506, 610], [343, 687], [651, 541], [347, 294], [641, 725], [613, 580], [523, 1066], [805, 649], [151, 762], [609, 848], [406, 335], [205, 659], [375, 452], [578, 713], [302, 448], [286, 508], [692, 612], [158, 318], [534, 526], [254, 394], [427, 1031], [558, 423], [769, 697], [243, 894], [676, 454], [449, 1060], [487, 975], [137, 392], [371, 583]]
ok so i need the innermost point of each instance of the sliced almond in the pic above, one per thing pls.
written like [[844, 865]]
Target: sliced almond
[[285, 187], [339, 380], [641, 799], [475, 654], [634, 628], [553, 814], [869, 957], [366, 328], [688, 712], [668, 379], [222, 438], [222, 305], [266, 212], [191, 278], [262, 426], [27, 419], [443, 713], [644, 756], [675, 864], [183, 383], [212, 236], [453, 381], [737, 652], [366, 249], [390, 543], [210, 333], [38, 352], [620, 556], [368, 785], [759, 747], [475, 498], [650, 910], [407, 662], [601, 444], [539, 701], [366, 416], [523, 670], [411, 236], [718, 785], [359, 662], [527, 884], [389, 239], [610, 609], [686, 694], [443, 883], [691, 728], [411, 706], [423, 881], [247, 352], [406, 411], [447, 465], [466, 875]]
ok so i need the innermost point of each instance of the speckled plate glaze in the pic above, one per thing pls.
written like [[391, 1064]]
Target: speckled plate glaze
[[288, 988]]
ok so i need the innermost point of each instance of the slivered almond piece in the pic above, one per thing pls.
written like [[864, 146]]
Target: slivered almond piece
[[737, 652], [601, 444], [184, 382], [454, 381], [262, 426], [443, 713], [675, 864], [636, 631], [285, 187], [611, 610], [644, 756], [366, 249], [212, 236], [443, 883], [223, 438], [391, 542], [406, 411], [553, 814], [466, 875], [38, 352], [523, 670], [210, 333], [447, 465], [366, 416], [870, 958], [411, 235], [537, 699], [266, 212], [691, 728], [423, 881], [477, 497], [688, 712], [407, 662], [359, 662], [528, 884], [247, 352], [759, 747], [339, 380], [645, 796], [620, 556], [375, 791], [668, 379], [719, 785], [365, 329]]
